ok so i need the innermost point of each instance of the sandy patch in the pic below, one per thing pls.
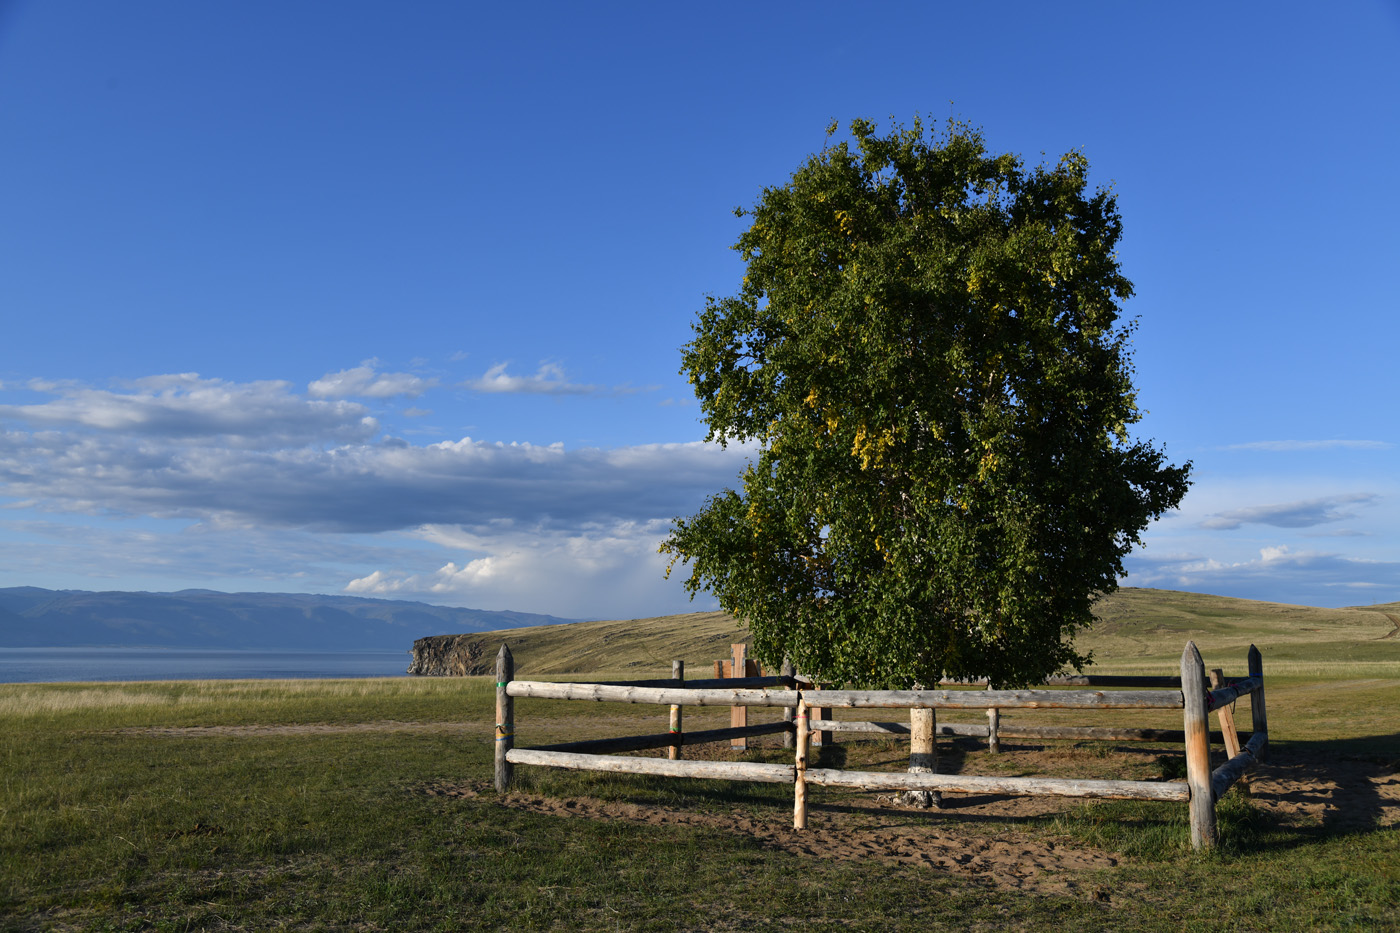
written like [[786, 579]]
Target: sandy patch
[[897, 835], [1341, 794]]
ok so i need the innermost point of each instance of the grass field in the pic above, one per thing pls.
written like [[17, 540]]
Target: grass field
[[1139, 631], [366, 805]]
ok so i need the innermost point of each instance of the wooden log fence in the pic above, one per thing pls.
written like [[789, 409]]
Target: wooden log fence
[[797, 698]]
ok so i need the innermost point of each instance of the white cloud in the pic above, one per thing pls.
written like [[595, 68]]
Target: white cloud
[[597, 571], [1278, 574], [1302, 514], [186, 407], [363, 381], [362, 487], [549, 379]]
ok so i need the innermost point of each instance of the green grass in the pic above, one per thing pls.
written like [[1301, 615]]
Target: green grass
[[177, 807]]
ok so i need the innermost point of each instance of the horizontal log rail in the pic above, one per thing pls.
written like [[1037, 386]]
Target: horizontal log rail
[[1223, 777], [1201, 789], [1012, 786], [664, 767], [999, 699], [667, 696], [709, 683], [1232, 692], [977, 730], [637, 743]]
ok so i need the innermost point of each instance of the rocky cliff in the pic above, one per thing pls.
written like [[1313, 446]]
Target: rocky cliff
[[451, 656]]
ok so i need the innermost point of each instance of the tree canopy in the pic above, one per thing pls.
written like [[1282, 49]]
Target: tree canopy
[[926, 358]]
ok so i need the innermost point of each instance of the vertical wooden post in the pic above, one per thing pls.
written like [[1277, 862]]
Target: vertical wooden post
[[1197, 722], [1256, 701], [739, 715], [923, 753], [820, 736], [799, 788], [789, 740], [1226, 715], [677, 673], [993, 726], [505, 717]]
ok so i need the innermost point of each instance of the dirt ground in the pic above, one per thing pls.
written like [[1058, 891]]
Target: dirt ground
[[1338, 794], [1334, 792]]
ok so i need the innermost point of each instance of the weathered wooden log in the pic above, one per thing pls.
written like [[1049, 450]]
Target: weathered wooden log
[[739, 715], [1005, 699], [688, 696], [505, 717], [818, 717], [1256, 703], [1196, 723], [637, 743], [1226, 716], [993, 730], [1230, 693], [923, 754], [1018, 786], [677, 729], [799, 775], [705, 683], [662, 767], [1224, 777], [901, 728], [1012, 731]]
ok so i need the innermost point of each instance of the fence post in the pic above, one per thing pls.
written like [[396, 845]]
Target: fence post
[[788, 670], [739, 715], [799, 788], [1226, 715], [1197, 724], [993, 727], [923, 753], [677, 673], [1256, 702], [505, 717]]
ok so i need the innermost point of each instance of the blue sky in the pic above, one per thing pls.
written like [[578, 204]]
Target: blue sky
[[386, 299]]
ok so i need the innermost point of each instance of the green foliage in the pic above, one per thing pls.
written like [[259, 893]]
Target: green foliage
[[926, 356]]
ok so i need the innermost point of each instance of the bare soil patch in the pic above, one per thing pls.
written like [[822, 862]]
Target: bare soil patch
[[1297, 789], [1343, 794], [970, 837], [868, 828]]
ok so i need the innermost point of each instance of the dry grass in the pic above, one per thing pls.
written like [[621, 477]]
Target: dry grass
[[1140, 631]]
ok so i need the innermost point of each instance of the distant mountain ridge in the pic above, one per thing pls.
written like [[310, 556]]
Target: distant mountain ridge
[[32, 617]]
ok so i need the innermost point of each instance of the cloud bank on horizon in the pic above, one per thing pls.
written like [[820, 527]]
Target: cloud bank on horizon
[[537, 524], [284, 489], [378, 317]]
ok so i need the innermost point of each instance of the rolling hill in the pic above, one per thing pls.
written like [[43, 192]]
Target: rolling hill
[[1139, 631], [31, 617]]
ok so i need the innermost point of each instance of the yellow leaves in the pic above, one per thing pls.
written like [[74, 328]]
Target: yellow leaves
[[844, 221], [987, 466], [831, 419], [871, 448]]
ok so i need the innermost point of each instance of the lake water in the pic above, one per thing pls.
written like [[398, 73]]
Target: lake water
[[38, 665]]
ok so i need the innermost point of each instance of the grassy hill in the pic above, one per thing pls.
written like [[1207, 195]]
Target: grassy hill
[[1139, 631]]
